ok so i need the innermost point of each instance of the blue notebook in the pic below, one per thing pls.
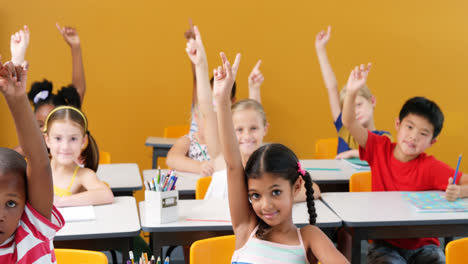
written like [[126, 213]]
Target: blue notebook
[[434, 202], [358, 164]]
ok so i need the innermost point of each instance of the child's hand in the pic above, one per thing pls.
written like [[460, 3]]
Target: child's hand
[[206, 168], [190, 33], [256, 77], [18, 45], [453, 191], [322, 38], [13, 79], [195, 49], [70, 35], [348, 154], [358, 78], [224, 77]]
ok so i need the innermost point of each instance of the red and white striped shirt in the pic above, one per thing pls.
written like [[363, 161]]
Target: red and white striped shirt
[[32, 241]]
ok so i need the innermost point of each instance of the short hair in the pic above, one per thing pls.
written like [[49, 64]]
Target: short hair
[[364, 91], [233, 91], [12, 161], [426, 108], [250, 104]]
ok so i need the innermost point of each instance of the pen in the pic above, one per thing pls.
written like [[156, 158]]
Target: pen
[[130, 254], [166, 261], [147, 187], [146, 257], [456, 171], [159, 260], [202, 151], [159, 174], [152, 186], [173, 184]]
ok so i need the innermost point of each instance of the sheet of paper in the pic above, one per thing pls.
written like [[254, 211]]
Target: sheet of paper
[[78, 213]]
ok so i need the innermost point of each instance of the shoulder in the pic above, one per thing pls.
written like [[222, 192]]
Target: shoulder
[[35, 222], [86, 173]]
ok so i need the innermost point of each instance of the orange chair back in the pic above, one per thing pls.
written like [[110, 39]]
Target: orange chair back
[[104, 157], [202, 186], [213, 250], [77, 256], [176, 131], [325, 148], [361, 182], [456, 251]]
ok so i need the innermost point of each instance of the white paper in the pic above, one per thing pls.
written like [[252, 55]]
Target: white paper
[[78, 213]]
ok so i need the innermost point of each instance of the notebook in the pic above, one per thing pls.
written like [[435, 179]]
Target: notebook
[[78, 213], [434, 202], [357, 163]]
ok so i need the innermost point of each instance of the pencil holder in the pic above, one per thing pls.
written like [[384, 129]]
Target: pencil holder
[[161, 207]]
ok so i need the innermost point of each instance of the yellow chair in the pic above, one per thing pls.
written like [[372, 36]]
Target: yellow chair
[[77, 256], [213, 250], [456, 251], [104, 157], [325, 148], [202, 186], [176, 131], [360, 182]]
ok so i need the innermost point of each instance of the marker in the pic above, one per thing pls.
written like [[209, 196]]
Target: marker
[[159, 260], [166, 261], [151, 186], [146, 257], [130, 254], [173, 184], [159, 174], [147, 186], [202, 151], [456, 171]]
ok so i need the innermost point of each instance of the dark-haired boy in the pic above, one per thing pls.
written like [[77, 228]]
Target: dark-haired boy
[[403, 166]]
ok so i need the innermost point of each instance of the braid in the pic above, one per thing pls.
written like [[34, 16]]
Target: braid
[[310, 198]]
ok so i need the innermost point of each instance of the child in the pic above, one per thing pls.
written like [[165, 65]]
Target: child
[[249, 118], [261, 197], [68, 138], [403, 166], [28, 218], [365, 102]]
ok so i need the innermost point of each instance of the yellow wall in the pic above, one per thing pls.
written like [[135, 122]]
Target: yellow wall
[[139, 80]]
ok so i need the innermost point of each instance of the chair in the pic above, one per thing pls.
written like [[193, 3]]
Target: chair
[[325, 148], [202, 186], [360, 182], [176, 131], [104, 157], [213, 250], [456, 251], [77, 256]]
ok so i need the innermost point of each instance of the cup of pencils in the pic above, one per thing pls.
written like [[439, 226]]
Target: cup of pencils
[[161, 199]]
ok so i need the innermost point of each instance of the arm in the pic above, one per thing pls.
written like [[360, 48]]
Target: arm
[[327, 72], [70, 35], [97, 192], [178, 160], [357, 79], [39, 173], [321, 246], [19, 43], [353, 153], [190, 34], [255, 81], [197, 55]]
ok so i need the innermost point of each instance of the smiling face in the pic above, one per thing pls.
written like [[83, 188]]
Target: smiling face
[[272, 198], [12, 202], [250, 130], [66, 141], [414, 137]]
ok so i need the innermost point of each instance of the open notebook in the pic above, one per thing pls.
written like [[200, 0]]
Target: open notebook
[[357, 163], [434, 202], [78, 213]]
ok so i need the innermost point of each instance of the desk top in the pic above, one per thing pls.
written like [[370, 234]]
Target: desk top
[[121, 177], [213, 215], [329, 171], [359, 209], [160, 142], [119, 219]]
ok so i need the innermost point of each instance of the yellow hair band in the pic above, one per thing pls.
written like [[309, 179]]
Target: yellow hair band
[[66, 107]]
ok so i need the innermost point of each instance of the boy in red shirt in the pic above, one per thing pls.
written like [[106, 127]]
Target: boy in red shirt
[[403, 166]]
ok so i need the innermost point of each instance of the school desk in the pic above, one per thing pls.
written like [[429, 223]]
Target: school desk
[[123, 178], [199, 219], [186, 182], [331, 174], [114, 228], [386, 215], [161, 147]]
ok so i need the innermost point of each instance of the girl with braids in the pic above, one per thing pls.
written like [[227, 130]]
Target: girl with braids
[[261, 197], [68, 138]]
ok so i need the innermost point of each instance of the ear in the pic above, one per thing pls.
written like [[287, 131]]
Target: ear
[[433, 141], [397, 124], [233, 100], [265, 129], [373, 101], [85, 142], [47, 140], [298, 185]]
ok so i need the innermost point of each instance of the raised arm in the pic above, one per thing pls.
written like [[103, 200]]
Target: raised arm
[[70, 36], [242, 214], [255, 82], [39, 173], [197, 55], [190, 34], [357, 79], [328, 75], [19, 43]]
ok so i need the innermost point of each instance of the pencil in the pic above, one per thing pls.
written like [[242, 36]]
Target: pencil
[[202, 151], [456, 171]]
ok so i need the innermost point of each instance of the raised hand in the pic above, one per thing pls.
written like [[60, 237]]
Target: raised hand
[[190, 33], [225, 76], [256, 77], [358, 78], [195, 49], [13, 79], [19, 43], [322, 38], [70, 35]]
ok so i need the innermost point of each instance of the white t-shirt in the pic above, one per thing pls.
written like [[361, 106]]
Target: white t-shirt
[[218, 188]]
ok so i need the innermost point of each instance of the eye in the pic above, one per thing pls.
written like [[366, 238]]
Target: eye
[[57, 138], [238, 129], [424, 134], [409, 127], [73, 139], [11, 204], [276, 192], [253, 128], [254, 196]]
